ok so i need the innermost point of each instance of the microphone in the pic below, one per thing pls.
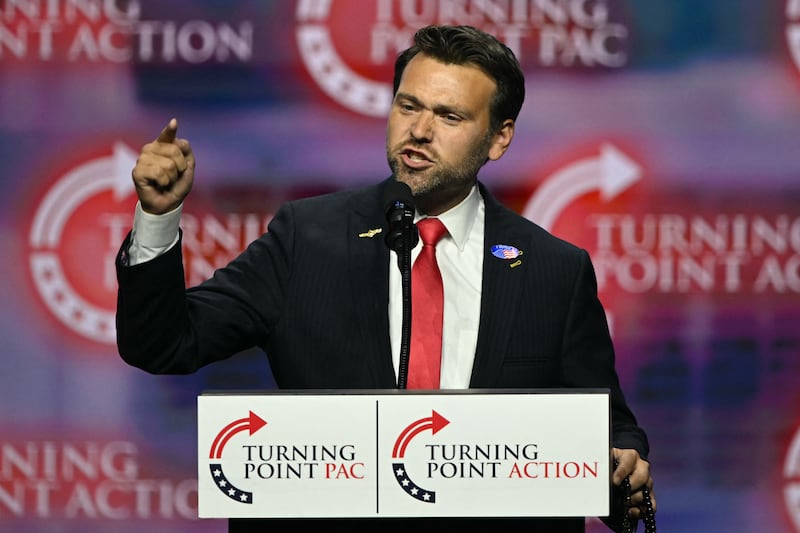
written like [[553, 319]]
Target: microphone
[[398, 205]]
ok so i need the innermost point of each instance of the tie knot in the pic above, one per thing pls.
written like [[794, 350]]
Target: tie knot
[[430, 230]]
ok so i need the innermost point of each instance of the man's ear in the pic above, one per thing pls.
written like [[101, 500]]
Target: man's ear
[[501, 140]]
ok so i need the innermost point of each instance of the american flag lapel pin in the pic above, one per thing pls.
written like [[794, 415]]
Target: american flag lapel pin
[[508, 253]]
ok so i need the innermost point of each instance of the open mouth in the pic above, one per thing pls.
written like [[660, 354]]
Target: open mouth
[[415, 159]]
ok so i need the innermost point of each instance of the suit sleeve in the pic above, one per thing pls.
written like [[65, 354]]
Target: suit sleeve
[[165, 328], [589, 358]]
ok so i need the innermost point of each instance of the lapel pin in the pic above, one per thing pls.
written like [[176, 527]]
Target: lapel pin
[[370, 233], [505, 251]]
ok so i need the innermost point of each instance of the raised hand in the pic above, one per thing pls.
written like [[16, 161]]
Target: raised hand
[[164, 171]]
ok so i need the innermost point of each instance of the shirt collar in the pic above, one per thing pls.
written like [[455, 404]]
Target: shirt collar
[[460, 219]]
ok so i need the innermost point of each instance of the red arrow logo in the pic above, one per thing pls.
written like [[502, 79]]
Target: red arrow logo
[[252, 423], [435, 422]]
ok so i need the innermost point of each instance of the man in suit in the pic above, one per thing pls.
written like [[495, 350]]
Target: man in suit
[[320, 292]]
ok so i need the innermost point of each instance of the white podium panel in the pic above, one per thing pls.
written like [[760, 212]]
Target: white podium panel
[[374, 454]]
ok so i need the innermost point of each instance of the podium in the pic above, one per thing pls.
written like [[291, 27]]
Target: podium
[[397, 454]]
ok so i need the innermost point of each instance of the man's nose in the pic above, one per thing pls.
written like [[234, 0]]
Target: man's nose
[[422, 128]]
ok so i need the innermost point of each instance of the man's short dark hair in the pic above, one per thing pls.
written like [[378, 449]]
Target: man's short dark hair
[[466, 45]]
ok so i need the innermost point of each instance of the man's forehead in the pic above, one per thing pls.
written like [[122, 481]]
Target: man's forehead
[[433, 73]]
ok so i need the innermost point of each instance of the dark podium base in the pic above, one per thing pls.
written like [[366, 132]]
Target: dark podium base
[[388, 525]]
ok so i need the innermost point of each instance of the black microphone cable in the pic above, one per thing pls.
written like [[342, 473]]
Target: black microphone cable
[[401, 238]]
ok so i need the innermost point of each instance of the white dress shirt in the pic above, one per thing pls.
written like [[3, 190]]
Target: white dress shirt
[[460, 258]]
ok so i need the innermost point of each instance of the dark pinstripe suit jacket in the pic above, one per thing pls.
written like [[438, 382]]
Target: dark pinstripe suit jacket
[[313, 294]]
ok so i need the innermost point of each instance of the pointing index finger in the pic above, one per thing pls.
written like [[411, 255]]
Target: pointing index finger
[[167, 135]]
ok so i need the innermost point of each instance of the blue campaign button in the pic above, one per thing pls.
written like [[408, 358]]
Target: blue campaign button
[[505, 251]]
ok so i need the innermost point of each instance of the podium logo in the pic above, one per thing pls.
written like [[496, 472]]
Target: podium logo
[[434, 423], [251, 424], [454, 462], [270, 465]]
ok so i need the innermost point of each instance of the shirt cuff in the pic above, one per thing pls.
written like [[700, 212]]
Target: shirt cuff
[[152, 235]]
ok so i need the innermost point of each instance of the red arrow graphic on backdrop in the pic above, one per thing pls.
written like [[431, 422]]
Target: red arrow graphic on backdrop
[[611, 172]]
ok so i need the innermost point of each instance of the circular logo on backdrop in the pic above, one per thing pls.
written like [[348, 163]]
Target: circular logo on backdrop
[[349, 46], [71, 222], [791, 474], [332, 64], [81, 220], [793, 30]]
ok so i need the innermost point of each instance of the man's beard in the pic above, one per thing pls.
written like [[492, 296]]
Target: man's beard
[[441, 177]]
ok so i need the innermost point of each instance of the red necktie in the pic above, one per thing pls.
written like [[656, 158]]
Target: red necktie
[[427, 310]]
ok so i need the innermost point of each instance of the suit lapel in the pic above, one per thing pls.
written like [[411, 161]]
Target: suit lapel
[[368, 277], [501, 290]]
